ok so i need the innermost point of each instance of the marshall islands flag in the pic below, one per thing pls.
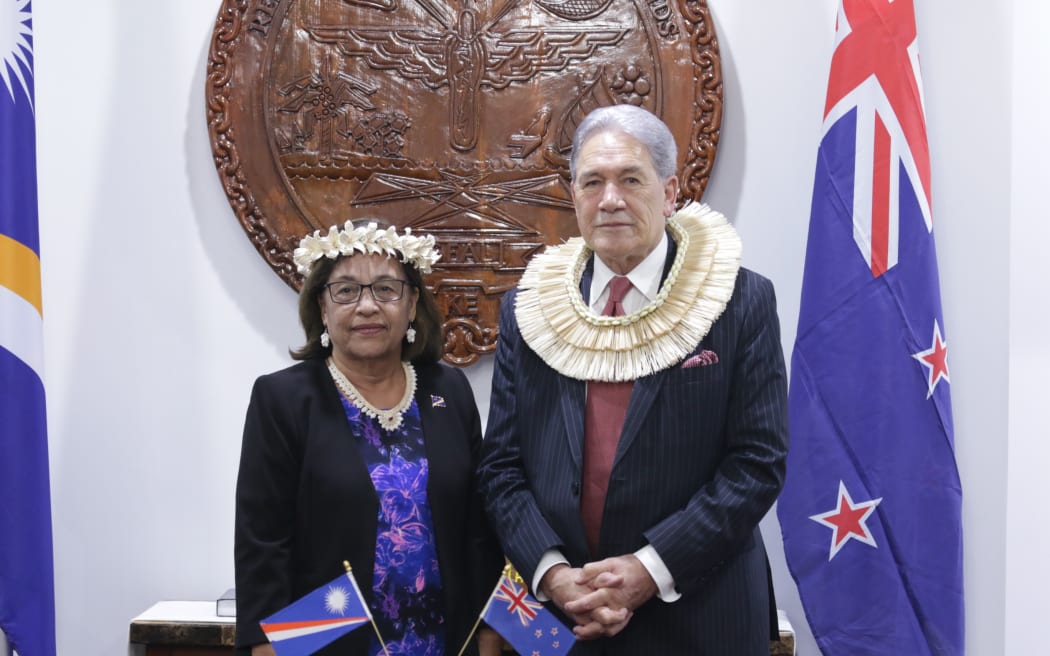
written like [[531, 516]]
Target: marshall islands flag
[[871, 508], [27, 598], [329, 612]]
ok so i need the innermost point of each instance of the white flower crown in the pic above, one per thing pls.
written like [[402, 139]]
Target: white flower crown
[[370, 240]]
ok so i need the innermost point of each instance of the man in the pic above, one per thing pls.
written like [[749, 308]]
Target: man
[[629, 459]]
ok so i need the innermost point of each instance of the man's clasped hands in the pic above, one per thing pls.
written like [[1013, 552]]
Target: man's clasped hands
[[600, 597]]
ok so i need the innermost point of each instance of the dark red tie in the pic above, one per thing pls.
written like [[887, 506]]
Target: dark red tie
[[602, 423]]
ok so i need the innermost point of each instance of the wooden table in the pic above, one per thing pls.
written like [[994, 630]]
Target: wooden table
[[786, 645], [183, 628]]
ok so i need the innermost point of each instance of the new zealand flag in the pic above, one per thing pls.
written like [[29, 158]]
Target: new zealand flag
[[523, 622], [870, 511]]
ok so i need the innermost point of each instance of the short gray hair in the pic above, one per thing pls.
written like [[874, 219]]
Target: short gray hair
[[636, 122]]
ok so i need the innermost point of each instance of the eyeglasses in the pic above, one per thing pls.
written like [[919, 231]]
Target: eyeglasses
[[383, 291]]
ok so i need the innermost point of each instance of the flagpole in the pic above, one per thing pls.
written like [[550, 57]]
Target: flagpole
[[510, 573], [368, 611], [475, 629]]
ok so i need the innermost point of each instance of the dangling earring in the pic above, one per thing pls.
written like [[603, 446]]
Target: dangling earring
[[325, 339], [410, 334]]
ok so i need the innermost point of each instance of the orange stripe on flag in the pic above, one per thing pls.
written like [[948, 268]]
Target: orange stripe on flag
[[291, 626], [20, 271]]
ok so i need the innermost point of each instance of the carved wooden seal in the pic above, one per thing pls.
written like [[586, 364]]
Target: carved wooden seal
[[454, 119]]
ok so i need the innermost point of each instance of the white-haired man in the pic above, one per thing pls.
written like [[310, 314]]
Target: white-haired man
[[637, 431]]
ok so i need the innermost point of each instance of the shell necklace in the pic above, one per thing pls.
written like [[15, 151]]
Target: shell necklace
[[389, 419], [576, 342]]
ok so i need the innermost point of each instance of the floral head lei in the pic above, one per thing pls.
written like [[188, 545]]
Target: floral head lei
[[369, 240]]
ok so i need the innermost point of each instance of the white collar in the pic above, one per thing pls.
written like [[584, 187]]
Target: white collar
[[645, 278]]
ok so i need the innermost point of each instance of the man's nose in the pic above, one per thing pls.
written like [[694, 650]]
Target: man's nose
[[612, 199]]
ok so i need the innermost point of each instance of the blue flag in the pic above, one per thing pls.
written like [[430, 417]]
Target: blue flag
[[27, 598], [329, 612], [523, 622], [870, 511]]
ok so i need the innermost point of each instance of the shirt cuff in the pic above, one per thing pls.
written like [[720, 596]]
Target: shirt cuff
[[653, 564], [550, 558]]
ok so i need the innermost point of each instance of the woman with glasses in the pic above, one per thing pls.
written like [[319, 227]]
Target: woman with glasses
[[365, 451]]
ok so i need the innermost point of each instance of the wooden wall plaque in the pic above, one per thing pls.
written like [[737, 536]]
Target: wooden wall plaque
[[453, 118]]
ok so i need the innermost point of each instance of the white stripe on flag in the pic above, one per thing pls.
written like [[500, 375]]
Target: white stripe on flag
[[286, 634], [21, 330]]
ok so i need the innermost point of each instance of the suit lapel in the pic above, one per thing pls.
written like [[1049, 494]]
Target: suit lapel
[[437, 422], [573, 393], [332, 421], [643, 394]]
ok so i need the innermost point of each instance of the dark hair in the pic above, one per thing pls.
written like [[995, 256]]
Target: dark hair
[[429, 344]]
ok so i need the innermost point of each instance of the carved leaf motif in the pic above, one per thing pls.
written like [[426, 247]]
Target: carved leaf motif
[[574, 9]]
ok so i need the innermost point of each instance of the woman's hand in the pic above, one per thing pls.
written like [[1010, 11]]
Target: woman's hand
[[490, 643], [265, 649]]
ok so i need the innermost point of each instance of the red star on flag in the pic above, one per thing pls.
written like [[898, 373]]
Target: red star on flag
[[935, 359], [848, 521]]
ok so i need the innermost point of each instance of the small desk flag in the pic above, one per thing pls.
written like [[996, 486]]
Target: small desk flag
[[329, 612], [27, 590], [871, 507], [523, 622]]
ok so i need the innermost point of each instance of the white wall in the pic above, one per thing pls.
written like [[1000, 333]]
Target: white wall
[[966, 58], [1028, 534], [159, 312]]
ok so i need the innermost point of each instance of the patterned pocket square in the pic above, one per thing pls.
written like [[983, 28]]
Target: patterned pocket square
[[701, 359]]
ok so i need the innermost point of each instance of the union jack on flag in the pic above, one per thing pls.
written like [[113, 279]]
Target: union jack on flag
[[875, 73], [524, 622], [871, 507], [518, 600]]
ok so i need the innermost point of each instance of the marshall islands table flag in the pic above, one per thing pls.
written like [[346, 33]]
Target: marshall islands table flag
[[27, 598], [870, 511], [329, 612], [523, 622]]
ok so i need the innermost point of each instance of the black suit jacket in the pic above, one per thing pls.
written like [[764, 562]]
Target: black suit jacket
[[306, 503], [700, 461]]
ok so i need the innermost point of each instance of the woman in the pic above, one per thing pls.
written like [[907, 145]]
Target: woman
[[365, 452]]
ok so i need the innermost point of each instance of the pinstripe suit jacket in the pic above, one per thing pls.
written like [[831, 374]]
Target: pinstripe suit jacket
[[700, 461]]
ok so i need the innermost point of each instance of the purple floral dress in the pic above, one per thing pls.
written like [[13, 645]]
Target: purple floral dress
[[407, 600]]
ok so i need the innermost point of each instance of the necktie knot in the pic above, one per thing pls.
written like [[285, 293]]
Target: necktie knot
[[618, 287]]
